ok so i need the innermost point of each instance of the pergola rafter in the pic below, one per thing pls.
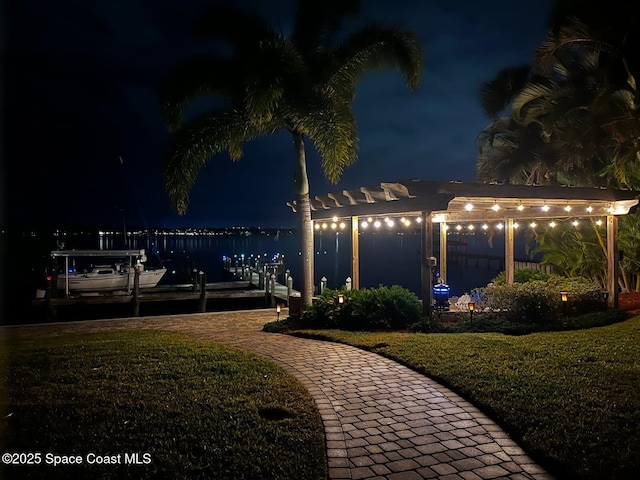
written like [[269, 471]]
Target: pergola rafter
[[446, 202]]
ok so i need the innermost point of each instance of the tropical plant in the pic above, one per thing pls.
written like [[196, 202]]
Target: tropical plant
[[303, 84], [576, 110], [571, 117]]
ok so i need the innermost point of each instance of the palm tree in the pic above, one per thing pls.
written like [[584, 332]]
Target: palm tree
[[304, 84]]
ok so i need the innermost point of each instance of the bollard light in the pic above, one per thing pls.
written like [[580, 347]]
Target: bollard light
[[605, 296], [472, 307], [340, 299], [564, 296], [278, 310]]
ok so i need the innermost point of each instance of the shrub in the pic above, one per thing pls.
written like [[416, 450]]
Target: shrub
[[538, 301], [521, 275], [382, 308]]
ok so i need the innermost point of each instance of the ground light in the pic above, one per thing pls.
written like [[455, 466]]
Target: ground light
[[278, 310], [564, 296], [472, 307], [340, 299], [605, 296]]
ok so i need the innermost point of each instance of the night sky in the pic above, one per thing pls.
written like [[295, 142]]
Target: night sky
[[79, 93]]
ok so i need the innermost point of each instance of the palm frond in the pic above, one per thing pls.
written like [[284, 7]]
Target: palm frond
[[191, 147], [573, 34], [276, 71], [202, 75], [497, 94], [331, 126], [370, 49]]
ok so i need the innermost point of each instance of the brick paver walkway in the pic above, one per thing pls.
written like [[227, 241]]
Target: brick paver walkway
[[382, 420]]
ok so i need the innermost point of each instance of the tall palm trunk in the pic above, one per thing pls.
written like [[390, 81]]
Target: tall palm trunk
[[304, 220]]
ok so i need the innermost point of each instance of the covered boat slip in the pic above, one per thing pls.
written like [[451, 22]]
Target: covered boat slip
[[443, 203]]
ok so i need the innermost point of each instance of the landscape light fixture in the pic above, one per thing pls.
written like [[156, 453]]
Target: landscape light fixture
[[340, 299], [278, 310], [472, 307], [564, 296], [605, 296]]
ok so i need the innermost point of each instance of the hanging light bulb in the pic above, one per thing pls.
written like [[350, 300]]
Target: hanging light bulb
[[545, 208], [390, 223], [567, 208], [342, 225], [598, 222], [369, 219], [499, 226], [324, 226], [495, 207], [458, 227], [533, 224], [334, 225], [468, 207], [485, 226], [471, 227], [419, 219], [552, 224], [376, 224], [317, 226], [520, 207], [589, 209], [575, 223], [364, 224], [516, 225]]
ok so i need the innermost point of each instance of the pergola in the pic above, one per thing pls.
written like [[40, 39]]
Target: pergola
[[429, 202]]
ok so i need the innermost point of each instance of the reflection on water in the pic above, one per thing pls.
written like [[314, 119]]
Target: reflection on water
[[385, 259]]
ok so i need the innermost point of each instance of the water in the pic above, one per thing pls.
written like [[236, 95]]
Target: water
[[385, 259]]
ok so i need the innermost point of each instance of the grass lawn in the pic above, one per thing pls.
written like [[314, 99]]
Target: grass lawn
[[200, 410], [572, 399]]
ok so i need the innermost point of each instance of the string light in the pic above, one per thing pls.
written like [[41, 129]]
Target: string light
[[495, 207], [499, 226], [419, 219], [364, 224], [334, 225], [533, 224], [545, 208], [471, 227], [334, 219], [520, 207], [324, 225], [589, 209], [458, 227], [485, 226], [468, 207], [376, 224], [317, 226], [516, 225], [567, 208], [598, 222], [552, 224], [575, 223], [342, 225]]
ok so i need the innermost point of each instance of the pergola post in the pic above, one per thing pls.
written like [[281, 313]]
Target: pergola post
[[613, 255], [355, 254], [508, 251], [426, 231], [443, 252]]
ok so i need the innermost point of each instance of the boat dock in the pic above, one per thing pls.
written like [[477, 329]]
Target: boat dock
[[246, 284]]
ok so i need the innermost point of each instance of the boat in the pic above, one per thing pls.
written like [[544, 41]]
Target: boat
[[119, 276]]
